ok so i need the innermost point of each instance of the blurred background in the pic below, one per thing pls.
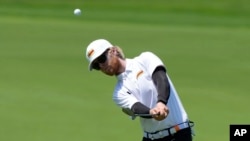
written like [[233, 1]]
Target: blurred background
[[48, 94]]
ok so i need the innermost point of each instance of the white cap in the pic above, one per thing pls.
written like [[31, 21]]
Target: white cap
[[95, 49]]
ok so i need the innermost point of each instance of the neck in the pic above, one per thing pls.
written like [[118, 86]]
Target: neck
[[122, 66]]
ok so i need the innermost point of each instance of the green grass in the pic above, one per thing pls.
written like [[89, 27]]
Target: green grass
[[48, 94]]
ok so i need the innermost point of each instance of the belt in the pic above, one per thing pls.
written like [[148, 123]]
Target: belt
[[168, 131]]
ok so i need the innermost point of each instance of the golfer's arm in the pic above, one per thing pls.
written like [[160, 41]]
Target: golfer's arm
[[161, 83], [139, 108]]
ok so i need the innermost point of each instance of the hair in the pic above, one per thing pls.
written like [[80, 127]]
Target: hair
[[120, 53]]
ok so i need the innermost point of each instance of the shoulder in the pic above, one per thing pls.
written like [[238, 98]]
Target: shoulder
[[149, 61], [146, 56]]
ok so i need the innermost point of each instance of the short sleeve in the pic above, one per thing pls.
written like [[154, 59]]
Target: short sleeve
[[150, 61], [123, 98]]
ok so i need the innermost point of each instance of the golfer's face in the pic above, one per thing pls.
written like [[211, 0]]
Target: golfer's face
[[100, 60], [111, 64]]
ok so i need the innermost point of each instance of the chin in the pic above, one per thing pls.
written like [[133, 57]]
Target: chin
[[109, 72]]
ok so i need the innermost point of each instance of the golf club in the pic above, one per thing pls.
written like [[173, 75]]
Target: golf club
[[144, 115], [141, 115]]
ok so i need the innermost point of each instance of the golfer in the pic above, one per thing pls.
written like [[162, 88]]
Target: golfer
[[143, 89]]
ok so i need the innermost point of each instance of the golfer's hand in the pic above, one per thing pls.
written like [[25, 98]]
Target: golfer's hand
[[160, 111]]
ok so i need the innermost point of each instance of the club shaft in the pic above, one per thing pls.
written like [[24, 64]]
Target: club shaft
[[146, 115]]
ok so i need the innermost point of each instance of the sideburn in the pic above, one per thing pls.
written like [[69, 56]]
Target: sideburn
[[112, 64], [115, 64]]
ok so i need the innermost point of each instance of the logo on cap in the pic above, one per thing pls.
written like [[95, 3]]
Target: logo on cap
[[90, 53]]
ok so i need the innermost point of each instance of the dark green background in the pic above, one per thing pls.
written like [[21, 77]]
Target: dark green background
[[48, 94]]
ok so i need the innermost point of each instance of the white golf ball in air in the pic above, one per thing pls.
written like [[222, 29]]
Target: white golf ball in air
[[77, 12]]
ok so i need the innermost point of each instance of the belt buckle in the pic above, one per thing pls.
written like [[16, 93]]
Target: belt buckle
[[157, 135], [160, 133], [151, 136]]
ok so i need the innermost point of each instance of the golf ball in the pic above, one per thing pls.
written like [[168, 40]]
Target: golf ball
[[77, 12]]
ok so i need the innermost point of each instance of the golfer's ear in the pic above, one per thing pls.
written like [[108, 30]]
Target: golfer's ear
[[113, 50]]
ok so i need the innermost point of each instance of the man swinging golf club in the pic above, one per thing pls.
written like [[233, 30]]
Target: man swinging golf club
[[143, 89]]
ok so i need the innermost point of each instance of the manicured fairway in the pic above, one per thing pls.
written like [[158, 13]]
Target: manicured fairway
[[48, 94]]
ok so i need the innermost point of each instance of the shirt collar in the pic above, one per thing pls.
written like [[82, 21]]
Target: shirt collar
[[128, 69]]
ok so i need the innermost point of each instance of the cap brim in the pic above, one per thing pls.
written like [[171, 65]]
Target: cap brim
[[90, 67]]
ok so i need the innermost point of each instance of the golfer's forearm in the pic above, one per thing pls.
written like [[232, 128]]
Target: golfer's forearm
[[139, 108], [162, 85]]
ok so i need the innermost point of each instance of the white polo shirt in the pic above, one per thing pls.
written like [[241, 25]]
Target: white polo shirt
[[136, 85]]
